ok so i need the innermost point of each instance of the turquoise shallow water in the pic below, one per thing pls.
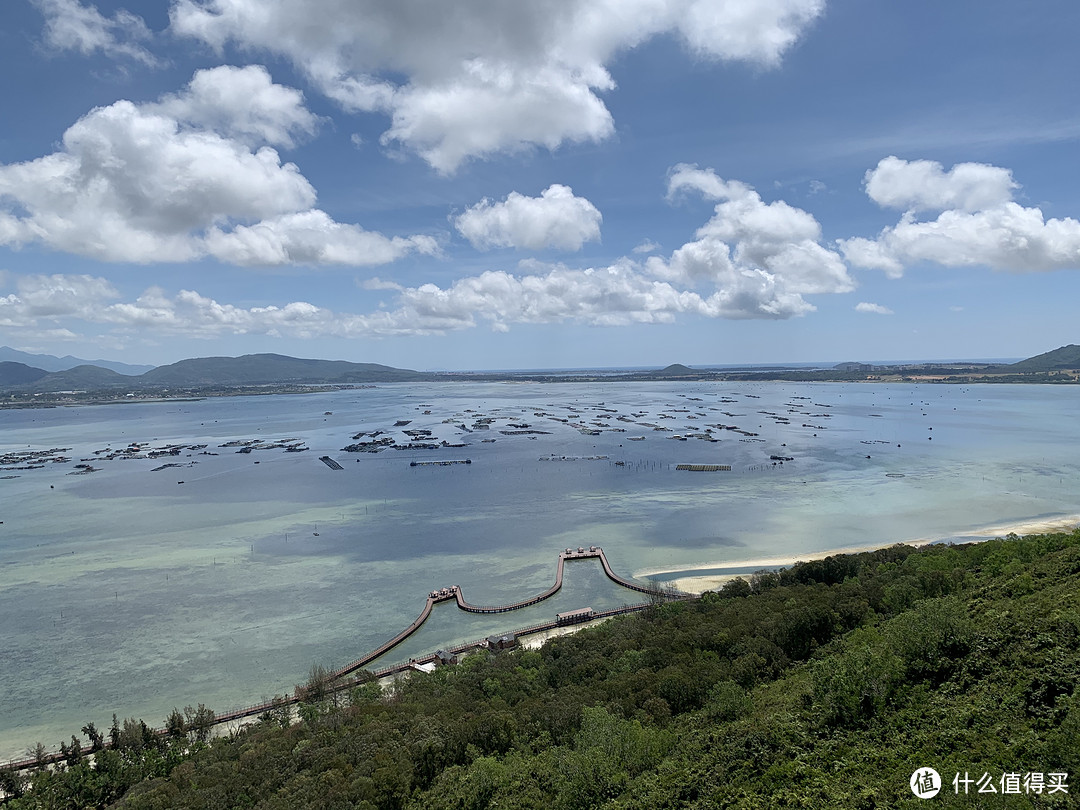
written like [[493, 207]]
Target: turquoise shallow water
[[124, 591]]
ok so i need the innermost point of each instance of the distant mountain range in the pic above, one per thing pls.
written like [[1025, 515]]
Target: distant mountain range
[[226, 374], [48, 362], [204, 373]]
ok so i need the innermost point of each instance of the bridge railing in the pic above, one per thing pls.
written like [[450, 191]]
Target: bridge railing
[[289, 700]]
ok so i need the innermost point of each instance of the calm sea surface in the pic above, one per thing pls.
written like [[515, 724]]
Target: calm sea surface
[[122, 590]]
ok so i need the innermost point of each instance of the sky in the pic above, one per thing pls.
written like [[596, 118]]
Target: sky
[[540, 184]]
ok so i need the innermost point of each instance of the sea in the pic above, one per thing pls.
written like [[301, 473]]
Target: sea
[[204, 553]]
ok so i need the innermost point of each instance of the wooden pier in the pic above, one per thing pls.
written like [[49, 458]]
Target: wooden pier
[[258, 709], [339, 680], [396, 669], [454, 592]]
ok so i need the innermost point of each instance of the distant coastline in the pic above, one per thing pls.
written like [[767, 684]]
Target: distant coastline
[[23, 385], [24, 396]]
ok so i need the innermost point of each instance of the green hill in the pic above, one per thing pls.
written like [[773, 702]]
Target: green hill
[[12, 373], [269, 369], [675, 370], [1067, 358], [84, 378]]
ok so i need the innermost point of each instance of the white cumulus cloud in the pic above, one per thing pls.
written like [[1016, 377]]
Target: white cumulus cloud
[[192, 175], [310, 237], [242, 103], [873, 309], [752, 259], [764, 256], [556, 219], [979, 223], [71, 26], [473, 78], [609, 296], [924, 185]]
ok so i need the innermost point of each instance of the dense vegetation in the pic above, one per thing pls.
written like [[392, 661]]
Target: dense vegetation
[[1062, 359], [824, 685]]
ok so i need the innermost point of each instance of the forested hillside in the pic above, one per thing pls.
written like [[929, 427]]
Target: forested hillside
[[826, 685]]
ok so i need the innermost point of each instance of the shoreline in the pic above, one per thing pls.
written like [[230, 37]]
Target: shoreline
[[699, 583], [54, 399]]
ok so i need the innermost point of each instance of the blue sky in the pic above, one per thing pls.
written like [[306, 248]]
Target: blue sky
[[555, 183]]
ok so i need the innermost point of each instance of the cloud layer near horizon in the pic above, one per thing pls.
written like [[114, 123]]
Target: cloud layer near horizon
[[750, 260]]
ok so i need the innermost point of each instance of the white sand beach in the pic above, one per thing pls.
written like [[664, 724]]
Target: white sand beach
[[536, 640], [710, 582]]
